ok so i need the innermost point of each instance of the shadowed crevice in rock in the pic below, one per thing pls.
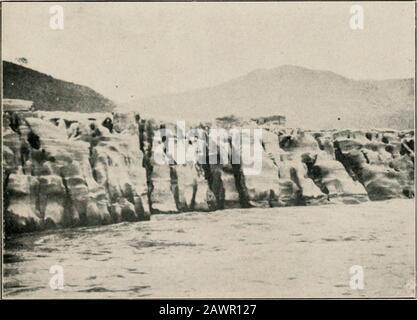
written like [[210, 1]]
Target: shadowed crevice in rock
[[145, 134], [241, 186], [71, 218]]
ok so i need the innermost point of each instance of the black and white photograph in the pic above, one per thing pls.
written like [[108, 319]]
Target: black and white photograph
[[208, 150]]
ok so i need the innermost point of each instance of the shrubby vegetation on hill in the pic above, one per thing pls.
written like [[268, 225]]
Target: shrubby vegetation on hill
[[49, 93]]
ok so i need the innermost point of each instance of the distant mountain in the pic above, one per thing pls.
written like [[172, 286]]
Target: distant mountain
[[308, 98], [49, 93]]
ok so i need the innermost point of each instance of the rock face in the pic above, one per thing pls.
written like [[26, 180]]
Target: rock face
[[117, 167], [313, 167], [382, 161], [67, 169], [261, 183]]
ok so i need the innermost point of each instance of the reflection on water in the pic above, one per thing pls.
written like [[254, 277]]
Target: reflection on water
[[280, 252]]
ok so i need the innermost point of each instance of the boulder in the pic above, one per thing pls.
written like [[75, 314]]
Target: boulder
[[125, 122], [261, 178], [22, 213], [378, 164], [333, 180]]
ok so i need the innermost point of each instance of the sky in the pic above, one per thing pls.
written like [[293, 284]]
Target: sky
[[131, 50]]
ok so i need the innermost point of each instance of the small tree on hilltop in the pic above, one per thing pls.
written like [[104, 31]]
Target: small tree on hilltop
[[22, 61]]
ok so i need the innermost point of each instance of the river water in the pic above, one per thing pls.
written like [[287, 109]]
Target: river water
[[277, 252]]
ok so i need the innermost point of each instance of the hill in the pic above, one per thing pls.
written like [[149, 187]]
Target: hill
[[49, 93], [308, 98]]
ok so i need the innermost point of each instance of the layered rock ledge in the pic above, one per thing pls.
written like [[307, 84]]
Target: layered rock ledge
[[70, 169]]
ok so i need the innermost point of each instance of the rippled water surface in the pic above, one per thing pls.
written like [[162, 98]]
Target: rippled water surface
[[279, 252]]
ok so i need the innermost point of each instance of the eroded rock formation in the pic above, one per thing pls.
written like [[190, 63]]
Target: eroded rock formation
[[67, 169]]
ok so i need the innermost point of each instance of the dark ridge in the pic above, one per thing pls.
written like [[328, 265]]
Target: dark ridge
[[48, 93]]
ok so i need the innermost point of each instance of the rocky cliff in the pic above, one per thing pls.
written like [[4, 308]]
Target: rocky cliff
[[68, 169]]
